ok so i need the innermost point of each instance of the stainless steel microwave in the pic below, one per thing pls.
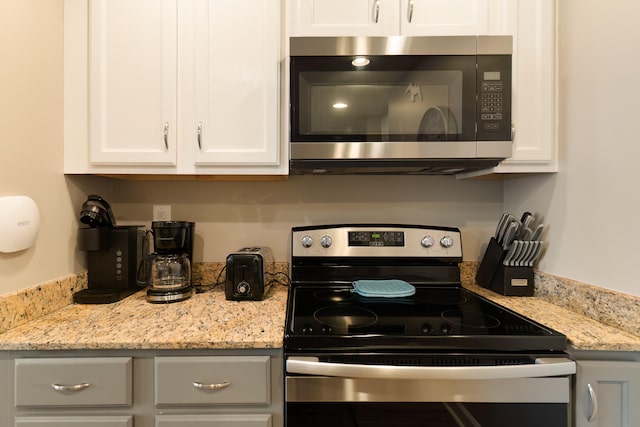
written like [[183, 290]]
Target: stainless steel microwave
[[399, 105]]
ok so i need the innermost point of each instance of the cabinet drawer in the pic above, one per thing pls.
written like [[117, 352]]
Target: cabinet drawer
[[73, 382], [79, 421], [212, 380], [249, 420]]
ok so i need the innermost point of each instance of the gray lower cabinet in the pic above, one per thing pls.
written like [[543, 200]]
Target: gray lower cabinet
[[4, 389], [142, 388], [607, 393], [259, 420], [76, 421], [213, 380], [88, 381]]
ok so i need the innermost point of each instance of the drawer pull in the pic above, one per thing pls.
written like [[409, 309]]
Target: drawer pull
[[75, 387], [217, 386], [593, 400]]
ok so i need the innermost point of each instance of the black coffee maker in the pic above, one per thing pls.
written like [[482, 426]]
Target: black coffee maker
[[169, 268], [114, 254]]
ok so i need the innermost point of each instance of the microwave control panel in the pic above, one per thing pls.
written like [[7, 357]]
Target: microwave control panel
[[494, 95]]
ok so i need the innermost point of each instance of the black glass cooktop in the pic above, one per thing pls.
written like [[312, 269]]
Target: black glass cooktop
[[437, 318]]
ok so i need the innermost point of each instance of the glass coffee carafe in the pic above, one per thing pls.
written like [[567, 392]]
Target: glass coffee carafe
[[170, 265]]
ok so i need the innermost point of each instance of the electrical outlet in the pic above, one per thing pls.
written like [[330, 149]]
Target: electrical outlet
[[162, 212]]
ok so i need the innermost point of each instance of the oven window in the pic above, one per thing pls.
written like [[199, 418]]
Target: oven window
[[393, 98], [426, 414]]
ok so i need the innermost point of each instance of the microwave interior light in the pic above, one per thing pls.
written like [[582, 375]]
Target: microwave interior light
[[340, 105], [360, 61]]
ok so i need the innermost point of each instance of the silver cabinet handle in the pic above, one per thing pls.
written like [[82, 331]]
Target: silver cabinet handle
[[199, 137], [593, 399], [215, 386], [376, 11], [410, 11], [74, 387], [165, 132]]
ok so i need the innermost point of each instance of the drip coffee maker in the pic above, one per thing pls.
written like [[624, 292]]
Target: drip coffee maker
[[169, 275]]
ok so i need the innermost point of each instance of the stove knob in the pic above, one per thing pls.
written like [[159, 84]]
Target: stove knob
[[446, 328], [426, 328], [446, 242], [326, 241], [307, 241], [427, 242]]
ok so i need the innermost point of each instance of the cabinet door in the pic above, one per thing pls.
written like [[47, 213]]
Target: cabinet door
[[532, 24], [132, 81], [607, 394], [77, 421], [215, 380], [4, 389], [82, 381], [343, 18], [248, 420], [229, 93], [444, 17]]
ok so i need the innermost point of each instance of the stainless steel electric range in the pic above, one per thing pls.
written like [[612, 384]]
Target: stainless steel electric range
[[380, 332]]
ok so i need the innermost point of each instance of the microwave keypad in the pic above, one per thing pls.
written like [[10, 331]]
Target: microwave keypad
[[491, 103]]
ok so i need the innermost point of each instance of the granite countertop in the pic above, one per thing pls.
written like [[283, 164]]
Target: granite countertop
[[208, 321], [583, 333], [204, 321]]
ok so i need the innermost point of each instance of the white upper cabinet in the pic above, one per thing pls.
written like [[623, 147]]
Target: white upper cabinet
[[444, 17], [132, 75], [230, 85], [392, 17], [343, 18], [173, 87], [532, 24]]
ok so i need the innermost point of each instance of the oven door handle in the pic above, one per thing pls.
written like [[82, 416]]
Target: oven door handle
[[543, 367]]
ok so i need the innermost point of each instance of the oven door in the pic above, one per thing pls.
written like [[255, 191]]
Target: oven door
[[346, 395]]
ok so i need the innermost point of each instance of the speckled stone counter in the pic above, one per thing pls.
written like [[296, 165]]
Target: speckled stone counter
[[574, 309], [204, 321], [582, 332], [43, 317]]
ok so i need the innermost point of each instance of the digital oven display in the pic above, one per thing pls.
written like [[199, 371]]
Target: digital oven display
[[376, 238]]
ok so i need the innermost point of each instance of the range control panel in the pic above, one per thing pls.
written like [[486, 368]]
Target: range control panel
[[371, 240]]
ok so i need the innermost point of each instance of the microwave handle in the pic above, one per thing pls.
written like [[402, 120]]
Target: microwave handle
[[543, 367]]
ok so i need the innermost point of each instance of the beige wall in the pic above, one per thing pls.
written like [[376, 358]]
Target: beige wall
[[231, 215], [31, 72], [592, 204]]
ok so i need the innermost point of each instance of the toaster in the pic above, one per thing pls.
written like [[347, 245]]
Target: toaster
[[249, 272]]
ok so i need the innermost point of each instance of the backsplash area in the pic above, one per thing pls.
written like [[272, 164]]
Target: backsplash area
[[611, 308], [20, 307]]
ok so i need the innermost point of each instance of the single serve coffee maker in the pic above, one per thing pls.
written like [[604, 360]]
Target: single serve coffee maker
[[114, 254], [169, 270]]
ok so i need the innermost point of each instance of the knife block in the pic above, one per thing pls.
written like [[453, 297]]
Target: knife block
[[502, 279]]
